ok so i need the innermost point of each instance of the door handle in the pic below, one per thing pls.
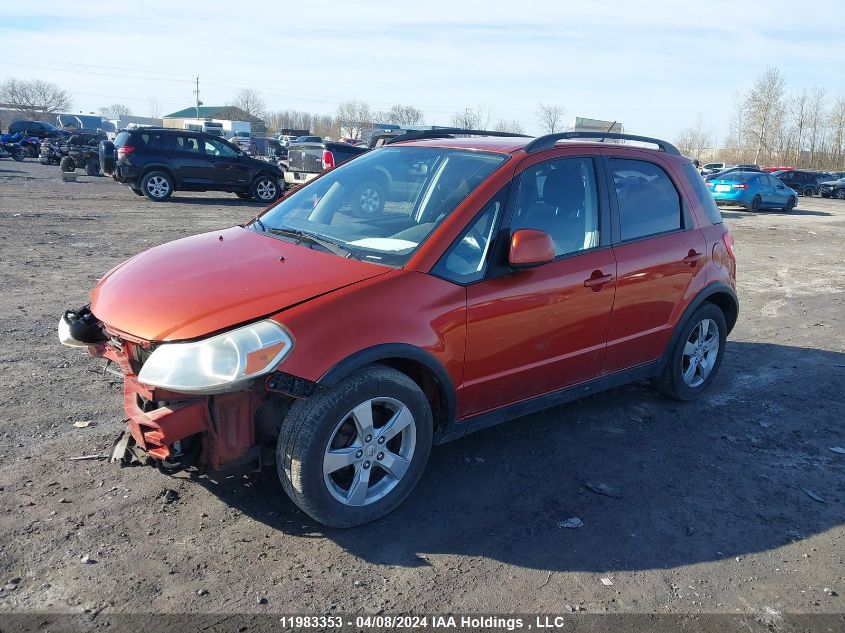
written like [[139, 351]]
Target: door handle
[[597, 280], [692, 258]]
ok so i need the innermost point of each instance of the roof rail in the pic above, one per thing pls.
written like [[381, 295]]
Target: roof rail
[[448, 132], [549, 140]]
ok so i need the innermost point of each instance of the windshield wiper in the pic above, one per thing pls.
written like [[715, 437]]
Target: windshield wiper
[[329, 245], [260, 223]]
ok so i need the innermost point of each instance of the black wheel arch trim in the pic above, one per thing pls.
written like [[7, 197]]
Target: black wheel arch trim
[[404, 351], [704, 294]]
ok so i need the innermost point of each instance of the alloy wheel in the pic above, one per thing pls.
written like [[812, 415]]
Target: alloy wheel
[[369, 451], [700, 352], [158, 186], [266, 189], [369, 201]]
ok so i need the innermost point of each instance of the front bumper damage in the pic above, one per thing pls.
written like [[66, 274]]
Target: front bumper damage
[[172, 430]]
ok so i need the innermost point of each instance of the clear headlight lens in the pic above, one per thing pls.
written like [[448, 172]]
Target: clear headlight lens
[[220, 363]]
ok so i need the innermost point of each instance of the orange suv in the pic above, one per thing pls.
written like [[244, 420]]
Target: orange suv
[[501, 275]]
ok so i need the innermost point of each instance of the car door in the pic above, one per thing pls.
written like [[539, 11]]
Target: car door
[[533, 331], [763, 189], [660, 259], [780, 192], [229, 168]]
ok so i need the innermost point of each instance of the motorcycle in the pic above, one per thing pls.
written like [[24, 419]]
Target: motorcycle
[[11, 150], [31, 146]]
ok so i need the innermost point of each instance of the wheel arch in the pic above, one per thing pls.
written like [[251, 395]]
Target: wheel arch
[[719, 294], [420, 366]]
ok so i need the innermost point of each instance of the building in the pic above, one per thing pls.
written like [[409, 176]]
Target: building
[[218, 113], [583, 124]]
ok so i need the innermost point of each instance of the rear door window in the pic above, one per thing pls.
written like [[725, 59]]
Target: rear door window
[[647, 199]]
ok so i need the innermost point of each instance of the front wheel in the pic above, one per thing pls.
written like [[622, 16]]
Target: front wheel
[[790, 204], [266, 189], [368, 200], [157, 186], [350, 455], [67, 164], [92, 167], [695, 359], [839, 194], [808, 192]]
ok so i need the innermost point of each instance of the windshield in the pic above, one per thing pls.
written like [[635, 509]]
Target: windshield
[[382, 205]]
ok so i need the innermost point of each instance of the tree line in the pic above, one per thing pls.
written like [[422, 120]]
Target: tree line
[[770, 126]]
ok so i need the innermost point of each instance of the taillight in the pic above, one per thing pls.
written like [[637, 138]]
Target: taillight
[[741, 185], [328, 159], [124, 151], [728, 241]]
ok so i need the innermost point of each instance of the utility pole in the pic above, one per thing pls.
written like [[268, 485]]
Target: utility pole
[[197, 93]]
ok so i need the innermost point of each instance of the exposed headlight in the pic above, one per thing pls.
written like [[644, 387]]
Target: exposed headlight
[[220, 363]]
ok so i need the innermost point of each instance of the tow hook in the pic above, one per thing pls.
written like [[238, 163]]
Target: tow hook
[[80, 328]]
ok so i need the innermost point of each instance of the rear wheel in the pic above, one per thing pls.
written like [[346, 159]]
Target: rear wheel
[[157, 186], [67, 164], [92, 167], [350, 455], [755, 204], [695, 359], [790, 204], [809, 192]]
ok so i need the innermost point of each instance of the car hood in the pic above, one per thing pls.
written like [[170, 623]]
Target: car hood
[[214, 281]]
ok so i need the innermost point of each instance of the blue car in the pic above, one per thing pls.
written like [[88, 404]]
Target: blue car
[[753, 190]]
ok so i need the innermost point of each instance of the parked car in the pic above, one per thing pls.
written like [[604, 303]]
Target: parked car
[[730, 170], [753, 190], [306, 159], [518, 274], [833, 189], [37, 128], [806, 183], [712, 168], [155, 162]]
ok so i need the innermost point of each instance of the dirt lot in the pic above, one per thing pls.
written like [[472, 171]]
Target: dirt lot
[[733, 504]]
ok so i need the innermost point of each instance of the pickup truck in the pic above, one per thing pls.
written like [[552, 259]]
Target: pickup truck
[[307, 159]]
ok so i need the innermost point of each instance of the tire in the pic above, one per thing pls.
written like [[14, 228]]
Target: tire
[[92, 167], [839, 194], [368, 200], [67, 164], [157, 186], [808, 192], [316, 424], [790, 204], [755, 204], [106, 154], [676, 381], [266, 189], [243, 196], [17, 155]]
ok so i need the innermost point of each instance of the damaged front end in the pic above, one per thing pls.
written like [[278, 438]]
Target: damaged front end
[[212, 426]]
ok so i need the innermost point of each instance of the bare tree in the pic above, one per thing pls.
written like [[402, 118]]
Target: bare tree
[[115, 109], [797, 107], [250, 102], [403, 115], [155, 109], [764, 111], [34, 96], [837, 132], [550, 118], [692, 141], [470, 119], [816, 120], [508, 126], [353, 119]]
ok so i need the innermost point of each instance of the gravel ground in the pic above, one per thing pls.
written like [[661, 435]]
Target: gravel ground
[[732, 504]]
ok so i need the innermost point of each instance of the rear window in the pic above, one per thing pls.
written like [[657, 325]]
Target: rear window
[[735, 176], [121, 139], [705, 199]]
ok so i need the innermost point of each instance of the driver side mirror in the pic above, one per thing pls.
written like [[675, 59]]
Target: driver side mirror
[[530, 247]]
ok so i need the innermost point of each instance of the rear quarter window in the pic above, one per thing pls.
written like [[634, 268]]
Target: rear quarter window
[[647, 199], [702, 194]]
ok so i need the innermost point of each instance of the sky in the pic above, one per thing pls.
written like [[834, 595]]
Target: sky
[[656, 66]]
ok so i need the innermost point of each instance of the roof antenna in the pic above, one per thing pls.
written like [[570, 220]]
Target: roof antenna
[[608, 130]]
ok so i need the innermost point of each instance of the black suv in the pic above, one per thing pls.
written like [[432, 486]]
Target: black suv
[[806, 183], [155, 162], [37, 128]]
